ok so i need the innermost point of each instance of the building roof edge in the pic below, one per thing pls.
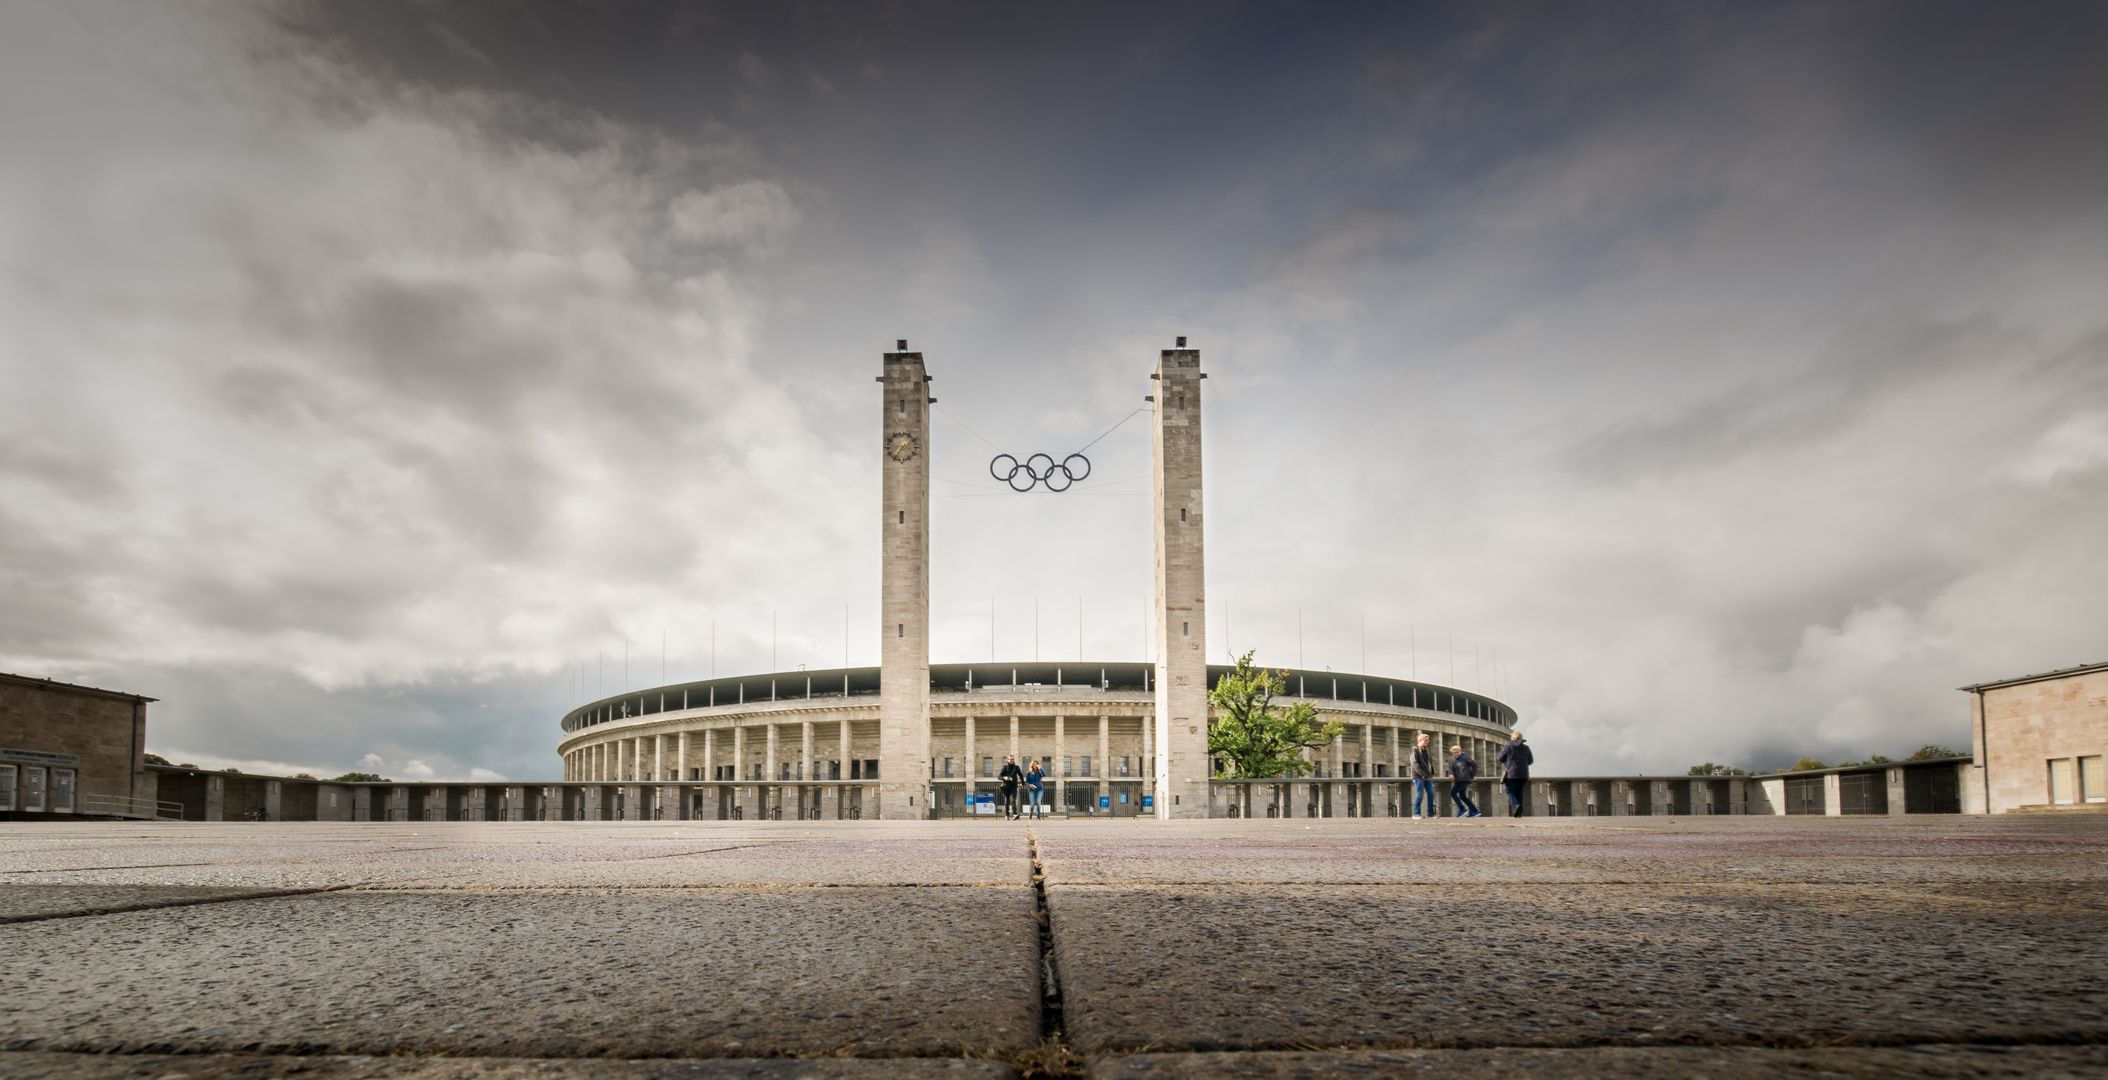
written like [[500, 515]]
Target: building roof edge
[[2060, 673], [54, 684]]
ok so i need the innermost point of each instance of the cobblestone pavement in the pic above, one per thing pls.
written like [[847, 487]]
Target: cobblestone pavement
[[1630, 947]]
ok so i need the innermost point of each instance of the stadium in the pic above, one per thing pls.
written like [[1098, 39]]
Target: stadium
[[911, 740], [805, 744]]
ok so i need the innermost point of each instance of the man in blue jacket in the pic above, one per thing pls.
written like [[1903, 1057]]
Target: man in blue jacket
[[1515, 761]]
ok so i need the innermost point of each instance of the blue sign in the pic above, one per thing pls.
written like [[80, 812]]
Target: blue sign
[[1148, 801], [1104, 801]]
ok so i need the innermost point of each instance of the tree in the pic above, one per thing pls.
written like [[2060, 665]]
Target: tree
[[1254, 737], [359, 778], [1933, 750], [156, 759], [1804, 764], [1710, 769]]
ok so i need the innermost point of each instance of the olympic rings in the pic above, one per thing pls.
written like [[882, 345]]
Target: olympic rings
[[1036, 473]]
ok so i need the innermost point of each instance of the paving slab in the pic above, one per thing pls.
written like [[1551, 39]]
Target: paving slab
[[305, 855], [619, 973], [29, 903], [1387, 851], [55, 1066], [1230, 967], [1949, 1062]]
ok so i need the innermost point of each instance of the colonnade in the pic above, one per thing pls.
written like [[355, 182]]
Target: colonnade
[[699, 755], [760, 751]]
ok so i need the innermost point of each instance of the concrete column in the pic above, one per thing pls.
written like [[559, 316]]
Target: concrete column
[[658, 757], [1833, 795], [1146, 768], [739, 754], [1013, 742], [773, 756], [640, 764], [805, 750], [1338, 751], [1059, 777], [843, 733], [972, 762], [709, 753], [1104, 767], [1897, 793], [1180, 746], [1368, 750], [680, 758], [904, 587]]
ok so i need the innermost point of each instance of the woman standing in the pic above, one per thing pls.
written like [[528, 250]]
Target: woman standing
[[1035, 784]]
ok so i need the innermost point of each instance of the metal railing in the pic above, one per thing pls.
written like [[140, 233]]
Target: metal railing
[[124, 806]]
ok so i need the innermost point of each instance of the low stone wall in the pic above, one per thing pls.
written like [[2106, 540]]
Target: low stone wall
[[1931, 787]]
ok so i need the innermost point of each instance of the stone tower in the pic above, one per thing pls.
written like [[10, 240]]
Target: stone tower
[[1181, 607], [904, 586]]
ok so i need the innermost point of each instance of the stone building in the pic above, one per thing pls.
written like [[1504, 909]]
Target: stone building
[[2040, 740], [71, 750]]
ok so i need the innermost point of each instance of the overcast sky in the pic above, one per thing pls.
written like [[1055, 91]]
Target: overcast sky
[[1717, 383]]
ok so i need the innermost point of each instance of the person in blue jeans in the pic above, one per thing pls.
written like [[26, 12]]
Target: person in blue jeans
[[1462, 771], [1515, 759], [1035, 784], [1423, 769]]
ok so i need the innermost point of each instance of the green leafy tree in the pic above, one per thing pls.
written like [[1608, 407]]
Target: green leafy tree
[[360, 778], [1710, 769], [156, 759], [1256, 739], [1804, 764], [1933, 750]]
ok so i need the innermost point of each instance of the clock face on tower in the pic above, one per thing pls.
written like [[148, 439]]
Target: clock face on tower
[[901, 446]]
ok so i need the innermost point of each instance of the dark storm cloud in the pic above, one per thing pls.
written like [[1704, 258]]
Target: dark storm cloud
[[383, 373]]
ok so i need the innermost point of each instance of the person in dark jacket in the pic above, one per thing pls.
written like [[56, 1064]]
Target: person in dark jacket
[[1424, 778], [1462, 771], [1515, 761], [1011, 776]]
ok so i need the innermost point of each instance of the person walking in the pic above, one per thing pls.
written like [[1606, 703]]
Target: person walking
[[1515, 761], [1423, 769], [1462, 771], [1035, 785], [1010, 776]]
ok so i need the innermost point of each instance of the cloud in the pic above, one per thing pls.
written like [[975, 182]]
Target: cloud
[[370, 384], [2077, 445], [756, 215], [1727, 382]]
